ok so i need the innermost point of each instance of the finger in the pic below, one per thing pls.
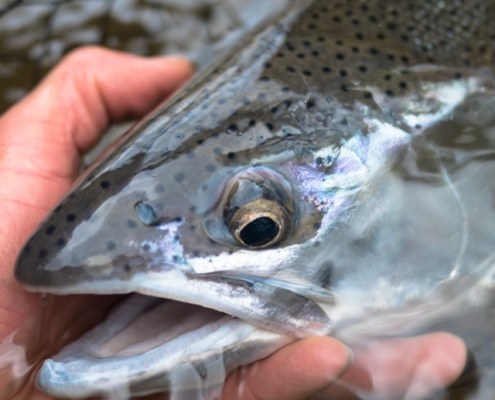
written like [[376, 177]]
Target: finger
[[409, 368], [295, 372], [42, 136]]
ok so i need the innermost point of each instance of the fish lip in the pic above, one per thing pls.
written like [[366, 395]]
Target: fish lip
[[264, 302], [196, 359]]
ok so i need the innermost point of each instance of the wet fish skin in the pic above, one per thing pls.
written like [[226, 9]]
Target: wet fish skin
[[333, 107]]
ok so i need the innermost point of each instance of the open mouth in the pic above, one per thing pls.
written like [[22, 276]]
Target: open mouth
[[150, 345]]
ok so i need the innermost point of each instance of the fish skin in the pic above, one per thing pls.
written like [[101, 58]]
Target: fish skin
[[335, 118]]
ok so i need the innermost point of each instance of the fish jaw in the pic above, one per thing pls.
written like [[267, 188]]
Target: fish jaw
[[150, 345]]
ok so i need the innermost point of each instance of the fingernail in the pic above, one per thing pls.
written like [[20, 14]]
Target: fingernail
[[351, 356]]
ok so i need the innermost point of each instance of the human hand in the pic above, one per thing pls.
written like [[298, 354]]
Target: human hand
[[41, 139], [322, 368]]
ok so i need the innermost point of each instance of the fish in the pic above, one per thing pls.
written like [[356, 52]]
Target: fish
[[330, 176]]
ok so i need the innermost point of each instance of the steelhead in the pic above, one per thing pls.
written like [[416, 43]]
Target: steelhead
[[331, 176]]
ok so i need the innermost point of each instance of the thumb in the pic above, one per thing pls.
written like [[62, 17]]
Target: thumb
[[295, 372]]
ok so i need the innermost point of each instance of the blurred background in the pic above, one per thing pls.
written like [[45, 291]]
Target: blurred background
[[35, 34]]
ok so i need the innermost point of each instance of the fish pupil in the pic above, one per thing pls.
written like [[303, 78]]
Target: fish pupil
[[259, 232]]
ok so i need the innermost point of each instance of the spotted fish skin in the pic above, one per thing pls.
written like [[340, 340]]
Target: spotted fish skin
[[335, 98], [308, 74]]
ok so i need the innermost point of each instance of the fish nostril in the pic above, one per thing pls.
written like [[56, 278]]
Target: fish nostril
[[146, 214]]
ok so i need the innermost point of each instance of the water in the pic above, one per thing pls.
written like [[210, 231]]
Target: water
[[34, 35]]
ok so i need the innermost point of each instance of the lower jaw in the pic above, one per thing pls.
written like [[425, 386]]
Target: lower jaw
[[150, 345]]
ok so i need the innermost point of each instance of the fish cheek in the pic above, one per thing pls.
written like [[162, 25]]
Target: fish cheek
[[196, 242]]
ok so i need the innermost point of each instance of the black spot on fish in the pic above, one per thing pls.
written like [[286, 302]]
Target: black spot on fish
[[43, 253], [145, 247], [340, 56], [70, 217], [307, 73], [403, 85], [290, 69], [105, 185], [111, 245], [49, 231], [269, 125], [179, 177], [326, 70], [316, 225], [343, 73], [159, 188], [61, 242], [300, 55], [131, 224]]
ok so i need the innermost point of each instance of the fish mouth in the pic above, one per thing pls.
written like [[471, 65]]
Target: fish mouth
[[179, 331], [150, 344]]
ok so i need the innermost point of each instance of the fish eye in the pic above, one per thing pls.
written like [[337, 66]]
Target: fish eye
[[260, 224], [256, 210]]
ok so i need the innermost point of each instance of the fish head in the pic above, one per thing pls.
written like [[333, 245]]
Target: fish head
[[262, 188]]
